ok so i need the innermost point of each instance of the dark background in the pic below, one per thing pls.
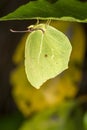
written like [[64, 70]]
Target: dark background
[[8, 43]]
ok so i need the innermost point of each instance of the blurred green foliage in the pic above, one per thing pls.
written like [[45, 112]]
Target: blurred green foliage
[[85, 121], [67, 116]]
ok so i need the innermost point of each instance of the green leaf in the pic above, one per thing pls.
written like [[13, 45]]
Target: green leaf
[[72, 10]]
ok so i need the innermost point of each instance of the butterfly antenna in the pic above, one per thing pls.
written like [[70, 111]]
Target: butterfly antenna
[[19, 31]]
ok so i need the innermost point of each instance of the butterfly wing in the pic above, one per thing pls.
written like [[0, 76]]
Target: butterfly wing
[[46, 55]]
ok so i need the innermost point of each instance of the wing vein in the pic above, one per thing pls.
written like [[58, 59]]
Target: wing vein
[[41, 44]]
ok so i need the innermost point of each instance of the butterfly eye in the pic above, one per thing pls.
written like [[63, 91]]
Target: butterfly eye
[[31, 26]]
